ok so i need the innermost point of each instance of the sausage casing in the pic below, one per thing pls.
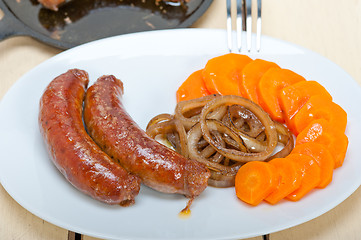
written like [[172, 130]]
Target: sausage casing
[[73, 151], [121, 138]]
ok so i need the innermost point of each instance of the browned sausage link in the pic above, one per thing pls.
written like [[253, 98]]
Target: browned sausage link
[[73, 151], [118, 135]]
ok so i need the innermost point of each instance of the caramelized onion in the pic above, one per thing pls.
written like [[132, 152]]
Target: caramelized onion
[[160, 118], [222, 132], [169, 126], [285, 137], [244, 121], [194, 136], [237, 155], [184, 110], [220, 180]]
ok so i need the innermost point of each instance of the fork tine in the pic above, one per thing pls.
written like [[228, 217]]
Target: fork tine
[[259, 25], [239, 24], [229, 25], [243, 13], [249, 24]]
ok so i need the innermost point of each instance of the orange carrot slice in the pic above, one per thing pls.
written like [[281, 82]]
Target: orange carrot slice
[[269, 87], [193, 87], [255, 181], [311, 175], [323, 158], [321, 131], [293, 97], [290, 179], [251, 76], [222, 74], [319, 107]]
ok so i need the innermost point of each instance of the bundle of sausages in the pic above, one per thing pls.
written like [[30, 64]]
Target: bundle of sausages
[[109, 161]]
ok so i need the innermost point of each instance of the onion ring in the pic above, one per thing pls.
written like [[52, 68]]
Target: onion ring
[[270, 129], [249, 123], [220, 180], [159, 126], [184, 107], [222, 132], [160, 118], [194, 135], [285, 137]]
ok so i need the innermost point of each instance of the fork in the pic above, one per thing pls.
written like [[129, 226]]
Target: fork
[[243, 12]]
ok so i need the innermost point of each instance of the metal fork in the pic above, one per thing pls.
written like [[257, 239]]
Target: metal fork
[[243, 12]]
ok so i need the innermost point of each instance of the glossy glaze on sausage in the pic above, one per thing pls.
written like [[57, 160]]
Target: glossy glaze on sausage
[[121, 138], [73, 151]]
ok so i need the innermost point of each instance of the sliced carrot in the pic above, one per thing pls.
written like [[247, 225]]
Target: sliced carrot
[[193, 87], [269, 87], [290, 179], [319, 107], [222, 74], [255, 181], [251, 76], [293, 97], [321, 131], [322, 156], [311, 173]]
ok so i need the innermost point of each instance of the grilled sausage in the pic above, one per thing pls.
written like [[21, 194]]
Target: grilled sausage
[[73, 151], [118, 135]]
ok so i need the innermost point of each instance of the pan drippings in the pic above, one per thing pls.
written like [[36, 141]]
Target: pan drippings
[[81, 21]]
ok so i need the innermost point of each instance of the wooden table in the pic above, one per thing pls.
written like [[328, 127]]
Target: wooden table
[[330, 27]]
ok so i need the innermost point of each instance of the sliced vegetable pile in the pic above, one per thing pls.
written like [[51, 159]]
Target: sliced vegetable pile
[[223, 132], [305, 107]]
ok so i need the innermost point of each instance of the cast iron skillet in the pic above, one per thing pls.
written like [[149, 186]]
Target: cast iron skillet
[[81, 21]]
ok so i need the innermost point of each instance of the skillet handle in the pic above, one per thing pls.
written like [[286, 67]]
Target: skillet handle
[[10, 25]]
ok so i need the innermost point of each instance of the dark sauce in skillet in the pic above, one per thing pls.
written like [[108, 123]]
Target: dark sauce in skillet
[[82, 21]]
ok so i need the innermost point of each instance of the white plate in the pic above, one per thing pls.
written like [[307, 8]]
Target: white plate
[[152, 65]]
